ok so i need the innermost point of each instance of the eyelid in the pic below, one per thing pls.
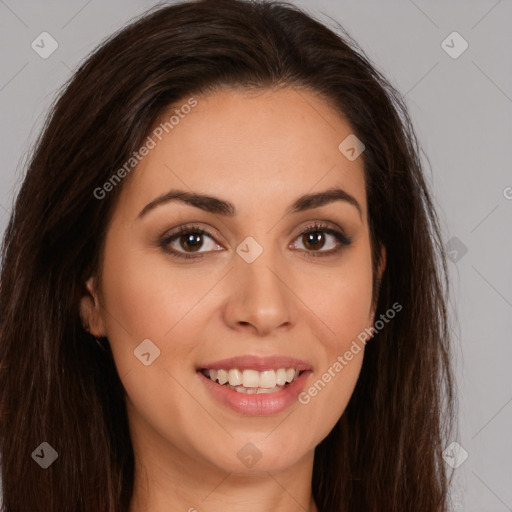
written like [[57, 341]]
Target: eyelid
[[317, 226], [172, 234], [338, 233]]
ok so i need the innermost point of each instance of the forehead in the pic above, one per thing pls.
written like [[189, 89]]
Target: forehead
[[273, 144]]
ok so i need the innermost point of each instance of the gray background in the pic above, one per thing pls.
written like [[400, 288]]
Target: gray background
[[462, 111]]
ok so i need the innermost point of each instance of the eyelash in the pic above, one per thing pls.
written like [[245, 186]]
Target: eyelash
[[341, 238]]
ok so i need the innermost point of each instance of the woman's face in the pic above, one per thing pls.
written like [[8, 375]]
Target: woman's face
[[256, 289]]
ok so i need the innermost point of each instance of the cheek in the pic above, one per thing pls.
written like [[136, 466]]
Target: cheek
[[342, 300], [330, 387], [327, 395], [343, 305], [145, 297]]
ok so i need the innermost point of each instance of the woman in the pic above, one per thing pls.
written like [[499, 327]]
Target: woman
[[222, 283]]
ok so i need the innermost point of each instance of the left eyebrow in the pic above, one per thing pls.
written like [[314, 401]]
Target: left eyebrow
[[309, 201], [219, 206]]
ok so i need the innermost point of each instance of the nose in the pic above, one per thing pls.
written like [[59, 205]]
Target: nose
[[260, 300]]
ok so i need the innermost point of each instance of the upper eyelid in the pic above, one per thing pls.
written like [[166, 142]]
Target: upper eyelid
[[320, 225]]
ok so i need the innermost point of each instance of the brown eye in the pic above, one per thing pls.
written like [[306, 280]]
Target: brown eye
[[316, 237], [314, 240], [191, 240], [187, 240]]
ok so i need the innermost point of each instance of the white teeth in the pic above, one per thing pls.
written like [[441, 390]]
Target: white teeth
[[235, 377], [267, 379], [252, 381], [262, 391], [280, 377], [222, 376], [253, 391], [290, 374]]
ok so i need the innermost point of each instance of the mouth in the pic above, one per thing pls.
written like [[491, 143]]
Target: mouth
[[253, 381], [255, 385]]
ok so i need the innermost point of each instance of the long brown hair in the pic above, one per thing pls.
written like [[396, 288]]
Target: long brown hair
[[58, 386]]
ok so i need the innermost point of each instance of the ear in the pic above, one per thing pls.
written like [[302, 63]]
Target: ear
[[380, 273], [91, 312]]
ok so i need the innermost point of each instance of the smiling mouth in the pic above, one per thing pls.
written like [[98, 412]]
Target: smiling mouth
[[253, 381]]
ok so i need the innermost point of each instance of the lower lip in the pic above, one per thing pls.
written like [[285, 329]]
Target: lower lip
[[254, 404]]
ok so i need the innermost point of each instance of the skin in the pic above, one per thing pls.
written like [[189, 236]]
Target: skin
[[260, 152]]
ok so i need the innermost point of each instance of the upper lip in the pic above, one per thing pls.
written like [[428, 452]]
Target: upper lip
[[259, 363]]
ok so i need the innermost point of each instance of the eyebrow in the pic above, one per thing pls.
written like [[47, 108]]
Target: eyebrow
[[218, 206]]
